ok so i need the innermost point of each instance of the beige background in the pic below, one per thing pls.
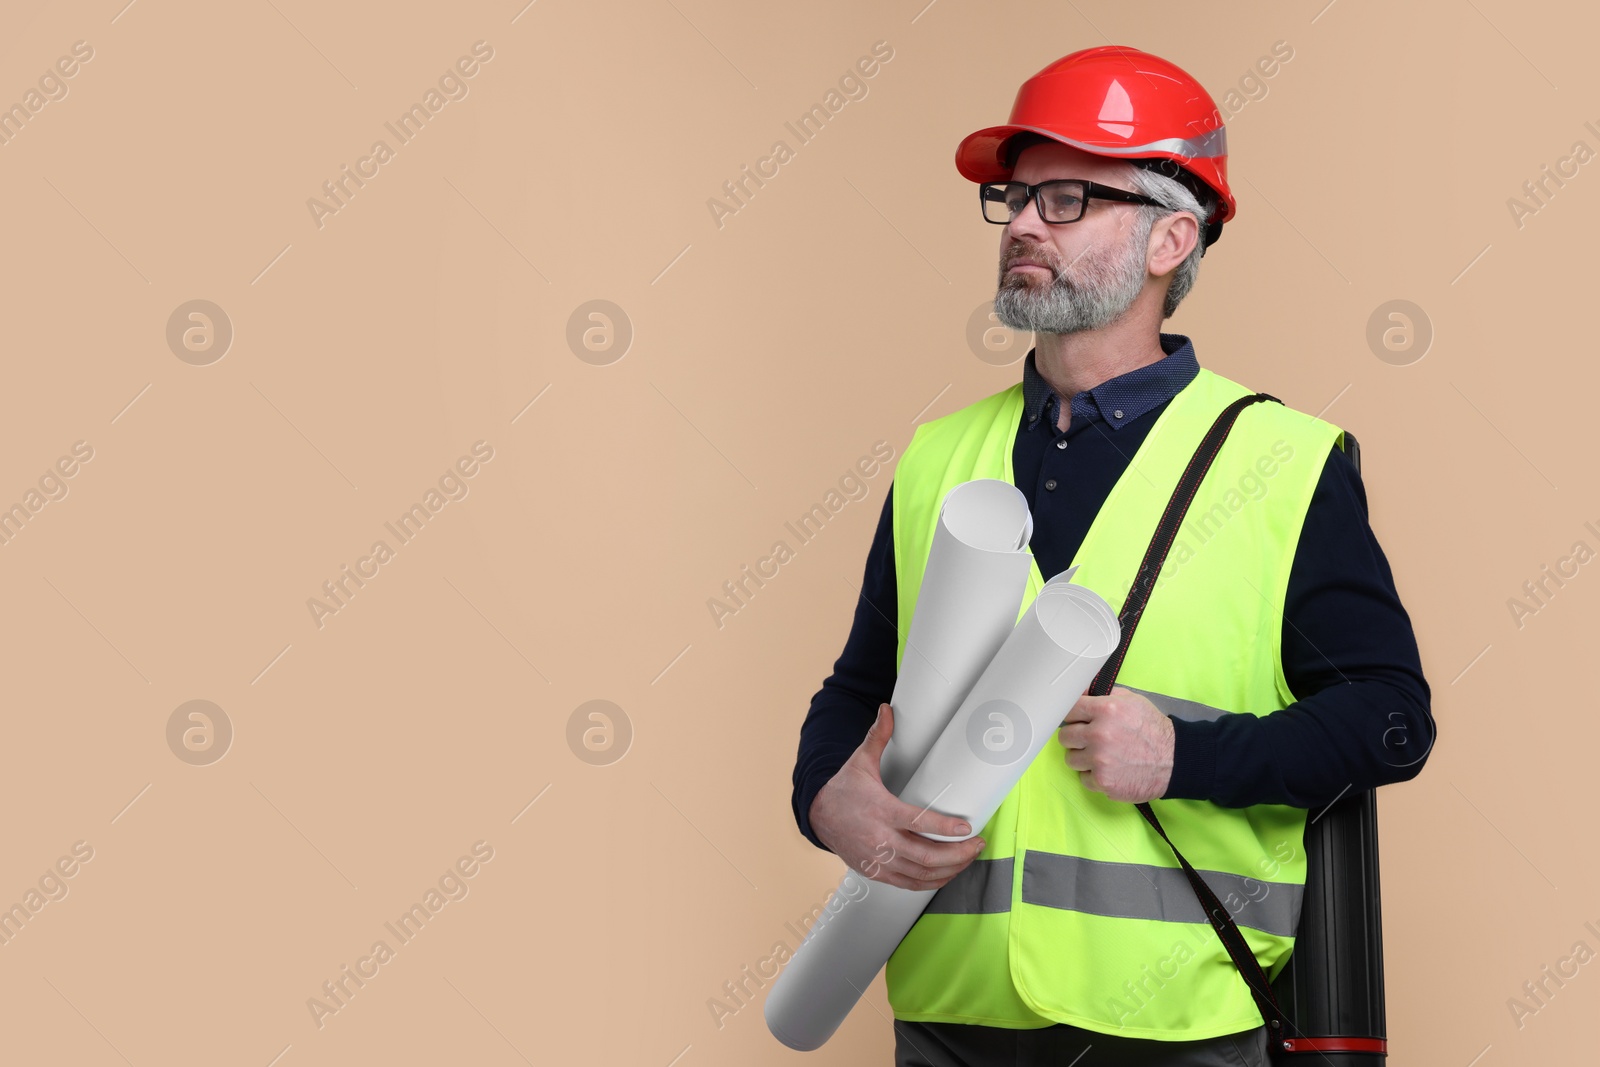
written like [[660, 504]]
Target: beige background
[[767, 356]]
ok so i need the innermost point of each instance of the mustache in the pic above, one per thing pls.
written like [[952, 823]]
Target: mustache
[[1042, 256], [1035, 254]]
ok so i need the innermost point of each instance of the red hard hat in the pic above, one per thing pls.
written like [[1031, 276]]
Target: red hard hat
[[1119, 102]]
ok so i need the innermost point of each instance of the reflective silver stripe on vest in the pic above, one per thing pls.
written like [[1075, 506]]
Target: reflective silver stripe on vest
[[1177, 707], [1118, 890], [1206, 146], [982, 888], [1142, 891]]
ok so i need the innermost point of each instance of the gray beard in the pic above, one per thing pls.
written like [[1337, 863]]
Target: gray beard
[[1105, 287]]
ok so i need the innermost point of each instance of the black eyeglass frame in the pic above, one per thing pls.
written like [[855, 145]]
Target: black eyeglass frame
[[1090, 191]]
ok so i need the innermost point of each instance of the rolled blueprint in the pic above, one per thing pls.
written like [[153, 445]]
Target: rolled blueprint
[[1013, 710], [1017, 705], [967, 605]]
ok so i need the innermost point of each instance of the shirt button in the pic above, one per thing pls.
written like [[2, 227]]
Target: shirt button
[[1061, 443], [1050, 483], [1117, 414]]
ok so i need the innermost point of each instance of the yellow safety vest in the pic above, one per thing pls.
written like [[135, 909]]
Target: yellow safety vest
[[1076, 912]]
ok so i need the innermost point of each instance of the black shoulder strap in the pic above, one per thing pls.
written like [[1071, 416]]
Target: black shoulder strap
[[1138, 596]]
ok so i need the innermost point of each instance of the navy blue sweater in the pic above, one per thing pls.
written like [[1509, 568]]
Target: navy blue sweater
[[1361, 718]]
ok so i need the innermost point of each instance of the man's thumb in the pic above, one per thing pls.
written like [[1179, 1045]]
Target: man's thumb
[[878, 735]]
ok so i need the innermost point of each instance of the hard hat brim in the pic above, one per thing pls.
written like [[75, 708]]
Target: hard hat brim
[[980, 157]]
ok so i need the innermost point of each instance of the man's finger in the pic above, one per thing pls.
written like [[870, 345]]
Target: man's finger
[[1074, 735], [927, 821], [1079, 760], [878, 735], [868, 756], [1083, 710], [936, 864]]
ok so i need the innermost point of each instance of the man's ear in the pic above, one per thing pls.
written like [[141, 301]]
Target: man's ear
[[1172, 238]]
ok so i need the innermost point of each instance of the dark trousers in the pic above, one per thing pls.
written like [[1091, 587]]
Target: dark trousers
[[968, 1045]]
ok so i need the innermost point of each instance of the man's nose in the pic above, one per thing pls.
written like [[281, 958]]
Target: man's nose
[[1028, 224]]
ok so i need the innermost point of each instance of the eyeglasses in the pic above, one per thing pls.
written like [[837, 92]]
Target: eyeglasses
[[1059, 201]]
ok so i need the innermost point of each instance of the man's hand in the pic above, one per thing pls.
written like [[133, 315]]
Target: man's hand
[[1121, 743], [873, 831]]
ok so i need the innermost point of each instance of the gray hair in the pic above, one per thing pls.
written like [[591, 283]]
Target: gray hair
[[1175, 196]]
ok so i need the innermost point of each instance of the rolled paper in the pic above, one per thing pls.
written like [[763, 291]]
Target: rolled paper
[[842, 952], [1013, 709], [971, 593], [1017, 705]]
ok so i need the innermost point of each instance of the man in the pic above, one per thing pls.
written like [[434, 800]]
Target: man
[[1274, 668]]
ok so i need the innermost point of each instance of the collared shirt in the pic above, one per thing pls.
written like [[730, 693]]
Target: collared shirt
[[1067, 474], [1117, 401], [1362, 718]]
